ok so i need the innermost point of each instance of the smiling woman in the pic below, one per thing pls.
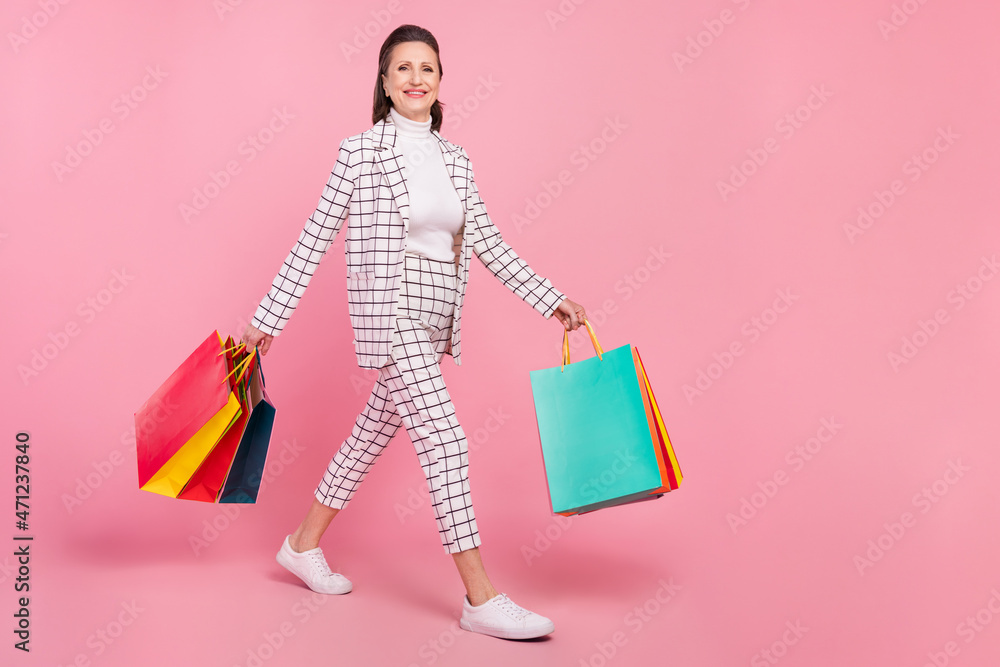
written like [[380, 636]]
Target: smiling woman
[[415, 219], [412, 80], [409, 77]]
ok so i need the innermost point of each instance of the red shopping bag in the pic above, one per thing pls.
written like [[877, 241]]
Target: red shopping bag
[[196, 394], [208, 479], [188, 446]]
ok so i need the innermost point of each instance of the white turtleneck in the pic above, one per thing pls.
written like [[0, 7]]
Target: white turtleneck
[[436, 214]]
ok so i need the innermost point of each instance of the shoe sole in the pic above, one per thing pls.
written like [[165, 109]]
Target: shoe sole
[[525, 633], [285, 563]]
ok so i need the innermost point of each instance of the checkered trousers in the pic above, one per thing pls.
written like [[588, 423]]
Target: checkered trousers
[[410, 391]]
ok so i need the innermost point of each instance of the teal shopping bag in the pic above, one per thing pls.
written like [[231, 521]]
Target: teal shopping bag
[[595, 432]]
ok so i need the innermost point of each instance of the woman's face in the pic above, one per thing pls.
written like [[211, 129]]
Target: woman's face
[[412, 80]]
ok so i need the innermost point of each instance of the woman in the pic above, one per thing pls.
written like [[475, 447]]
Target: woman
[[414, 219]]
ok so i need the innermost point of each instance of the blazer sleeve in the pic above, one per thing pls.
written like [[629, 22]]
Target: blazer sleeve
[[290, 284], [505, 264]]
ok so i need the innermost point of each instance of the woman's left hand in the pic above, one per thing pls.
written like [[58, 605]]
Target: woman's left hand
[[571, 314]]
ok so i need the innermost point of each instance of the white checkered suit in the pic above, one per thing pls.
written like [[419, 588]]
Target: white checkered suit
[[411, 392], [367, 188]]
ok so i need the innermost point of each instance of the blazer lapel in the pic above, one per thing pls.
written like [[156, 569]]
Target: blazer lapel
[[457, 166], [390, 162], [458, 169]]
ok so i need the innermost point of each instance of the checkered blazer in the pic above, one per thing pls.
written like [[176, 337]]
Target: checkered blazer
[[367, 188]]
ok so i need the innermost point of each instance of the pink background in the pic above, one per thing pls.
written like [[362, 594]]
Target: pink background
[[842, 547]]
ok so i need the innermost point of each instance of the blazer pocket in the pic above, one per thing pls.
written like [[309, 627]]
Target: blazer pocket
[[360, 278], [359, 293], [358, 286]]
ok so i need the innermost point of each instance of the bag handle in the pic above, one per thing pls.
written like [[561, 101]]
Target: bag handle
[[235, 349], [565, 346], [243, 365]]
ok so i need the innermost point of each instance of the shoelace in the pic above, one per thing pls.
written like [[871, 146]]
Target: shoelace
[[512, 609], [320, 564]]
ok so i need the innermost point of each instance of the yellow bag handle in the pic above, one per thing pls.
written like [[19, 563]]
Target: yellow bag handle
[[565, 345], [234, 348], [242, 366]]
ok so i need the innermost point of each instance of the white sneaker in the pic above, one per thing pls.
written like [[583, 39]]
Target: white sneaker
[[311, 567], [500, 617]]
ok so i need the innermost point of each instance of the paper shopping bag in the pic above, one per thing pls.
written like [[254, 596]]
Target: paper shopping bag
[[223, 460], [602, 434], [207, 480], [184, 419], [247, 469]]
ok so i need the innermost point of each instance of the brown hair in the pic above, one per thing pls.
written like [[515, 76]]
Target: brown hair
[[404, 33]]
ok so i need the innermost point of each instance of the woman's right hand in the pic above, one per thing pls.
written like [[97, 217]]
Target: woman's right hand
[[254, 337]]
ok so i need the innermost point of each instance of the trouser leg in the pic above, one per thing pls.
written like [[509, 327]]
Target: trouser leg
[[410, 391], [372, 431], [416, 385]]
